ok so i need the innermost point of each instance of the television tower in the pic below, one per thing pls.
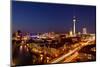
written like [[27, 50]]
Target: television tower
[[74, 27]]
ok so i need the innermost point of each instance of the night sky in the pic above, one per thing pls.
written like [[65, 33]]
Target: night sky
[[45, 17]]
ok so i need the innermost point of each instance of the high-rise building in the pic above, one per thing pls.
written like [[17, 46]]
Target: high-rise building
[[70, 33], [84, 30]]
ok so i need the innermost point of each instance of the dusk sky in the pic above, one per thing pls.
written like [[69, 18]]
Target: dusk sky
[[44, 17]]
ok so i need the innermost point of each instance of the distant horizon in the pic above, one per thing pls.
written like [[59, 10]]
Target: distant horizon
[[49, 17], [67, 32]]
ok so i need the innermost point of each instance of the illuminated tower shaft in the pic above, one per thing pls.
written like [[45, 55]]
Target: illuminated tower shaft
[[74, 27]]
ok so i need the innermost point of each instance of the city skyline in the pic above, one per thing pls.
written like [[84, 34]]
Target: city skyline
[[45, 17], [50, 33]]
